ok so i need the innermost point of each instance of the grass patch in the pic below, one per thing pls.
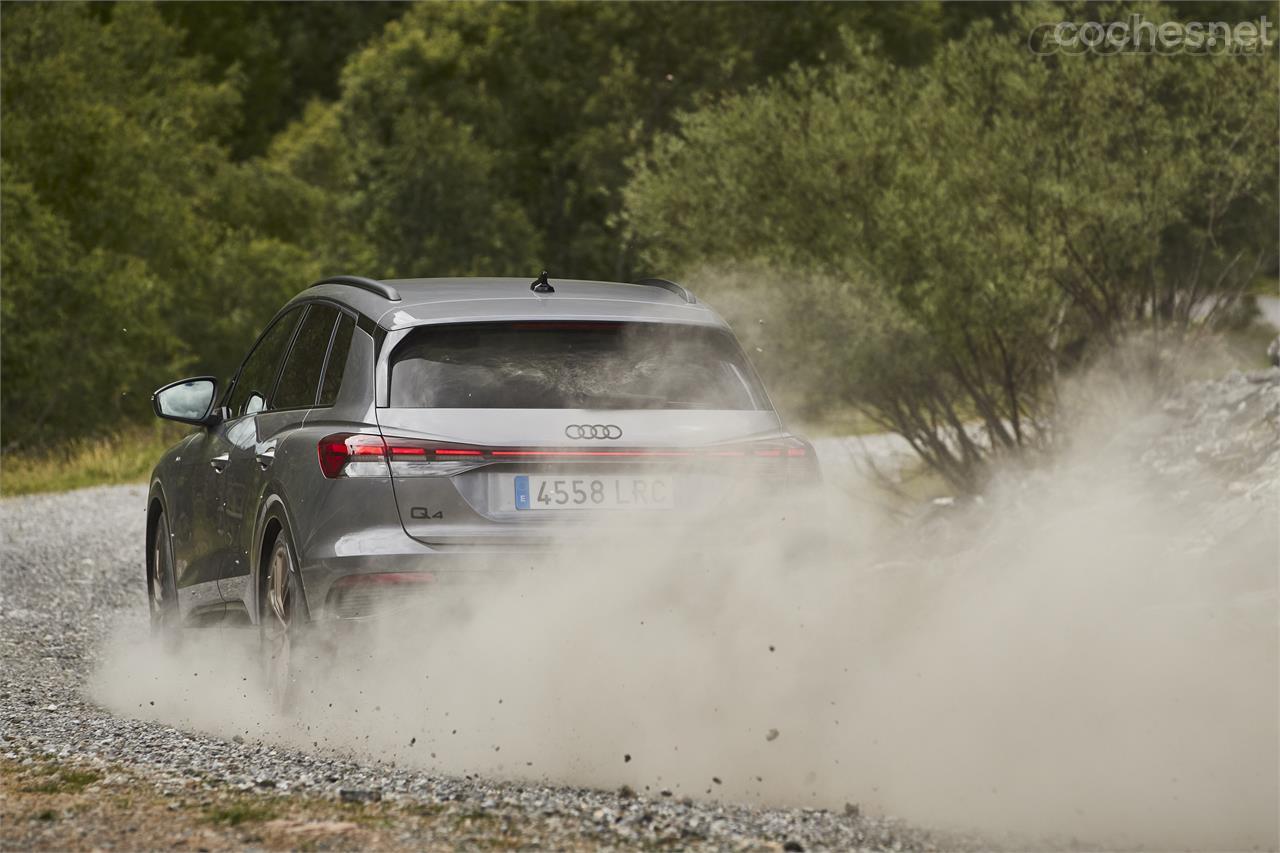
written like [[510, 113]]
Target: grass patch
[[425, 809], [366, 814], [63, 780], [126, 457], [239, 812]]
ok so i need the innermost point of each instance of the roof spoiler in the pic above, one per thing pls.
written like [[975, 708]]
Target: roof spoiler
[[668, 285], [386, 291]]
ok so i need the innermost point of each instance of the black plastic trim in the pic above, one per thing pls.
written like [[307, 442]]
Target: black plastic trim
[[386, 291], [328, 351], [668, 285]]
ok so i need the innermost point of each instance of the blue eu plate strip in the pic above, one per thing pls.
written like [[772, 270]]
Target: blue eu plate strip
[[522, 492]]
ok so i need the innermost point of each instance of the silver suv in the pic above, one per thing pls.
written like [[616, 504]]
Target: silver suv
[[380, 436]]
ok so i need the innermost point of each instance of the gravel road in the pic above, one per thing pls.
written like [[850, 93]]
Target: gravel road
[[71, 577], [72, 570]]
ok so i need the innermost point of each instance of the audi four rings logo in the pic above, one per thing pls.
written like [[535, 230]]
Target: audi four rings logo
[[576, 431]]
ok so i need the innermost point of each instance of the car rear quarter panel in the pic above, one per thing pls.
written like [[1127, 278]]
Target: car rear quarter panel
[[329, 519]]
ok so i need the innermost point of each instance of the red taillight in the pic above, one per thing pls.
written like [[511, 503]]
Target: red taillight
[[333, 455], [796, 462], [349, 455], [408, 451], [583, 454], [359, 455], [413, 458]]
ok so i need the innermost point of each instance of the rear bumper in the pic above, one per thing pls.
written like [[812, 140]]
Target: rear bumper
[[339, 562], [361, 586]]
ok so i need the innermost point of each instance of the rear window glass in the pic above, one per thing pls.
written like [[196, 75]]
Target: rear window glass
[[572, 366], [301, 374], [337, 363]]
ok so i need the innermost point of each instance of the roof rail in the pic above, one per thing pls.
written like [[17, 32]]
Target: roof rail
[[668, 285], [386, 291]]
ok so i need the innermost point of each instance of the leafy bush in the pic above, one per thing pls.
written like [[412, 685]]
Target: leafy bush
[[959, 232]]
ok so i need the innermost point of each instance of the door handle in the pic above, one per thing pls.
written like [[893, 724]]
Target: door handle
[[266, 457], [219, 462]]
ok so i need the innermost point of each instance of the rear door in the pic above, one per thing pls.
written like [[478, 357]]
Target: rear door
[[500, 432], [238, 435], [286, 401]]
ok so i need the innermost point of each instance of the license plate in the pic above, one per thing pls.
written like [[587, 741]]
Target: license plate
[[535, 492]]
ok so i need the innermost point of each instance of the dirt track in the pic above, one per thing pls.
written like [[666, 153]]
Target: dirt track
[[75, 776]]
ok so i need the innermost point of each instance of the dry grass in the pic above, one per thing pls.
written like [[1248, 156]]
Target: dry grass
[[52, 804], [126, 457]]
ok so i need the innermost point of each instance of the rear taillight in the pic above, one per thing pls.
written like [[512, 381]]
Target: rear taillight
[[411, 458], [353, 455], [790, 458]]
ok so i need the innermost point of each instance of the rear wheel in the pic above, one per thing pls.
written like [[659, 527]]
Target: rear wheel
[[281, 624], [165, 617]]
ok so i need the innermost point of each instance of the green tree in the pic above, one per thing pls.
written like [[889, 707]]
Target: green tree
[[494, 137], [75, 322], [969, 223], [283, 54], [132, 248]]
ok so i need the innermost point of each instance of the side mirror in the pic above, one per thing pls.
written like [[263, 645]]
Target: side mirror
[[187, 401]]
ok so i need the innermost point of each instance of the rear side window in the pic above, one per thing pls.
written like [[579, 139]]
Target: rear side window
[[253, 384], [337, 363], [300, 377], [572, 365]]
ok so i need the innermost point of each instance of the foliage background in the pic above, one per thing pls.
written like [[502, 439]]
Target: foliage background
[[936, 222]]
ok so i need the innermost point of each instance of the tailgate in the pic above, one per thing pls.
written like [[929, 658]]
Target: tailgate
[[519, 476]]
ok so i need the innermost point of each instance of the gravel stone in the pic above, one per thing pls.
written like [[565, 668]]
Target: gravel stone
[[72, 567]]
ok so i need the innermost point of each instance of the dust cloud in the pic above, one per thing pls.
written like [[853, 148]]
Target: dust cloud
[[1088, 652]]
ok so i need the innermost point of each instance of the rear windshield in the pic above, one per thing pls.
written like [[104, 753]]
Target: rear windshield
[[572, 366]]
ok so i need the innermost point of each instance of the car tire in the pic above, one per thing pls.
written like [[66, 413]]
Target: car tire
[[166, 619], [282, 624]]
